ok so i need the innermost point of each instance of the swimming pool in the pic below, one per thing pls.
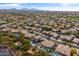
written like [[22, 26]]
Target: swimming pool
[[56, 54]]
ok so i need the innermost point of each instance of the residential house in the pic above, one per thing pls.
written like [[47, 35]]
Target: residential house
[[76, 40], [66, 38], [36, 39], [63, 49], [47, 44]]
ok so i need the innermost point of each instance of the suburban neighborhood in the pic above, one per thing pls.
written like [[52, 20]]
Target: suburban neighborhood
[[39, 33]]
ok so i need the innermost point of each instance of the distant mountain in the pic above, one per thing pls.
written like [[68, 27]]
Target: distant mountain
[[32, 9]]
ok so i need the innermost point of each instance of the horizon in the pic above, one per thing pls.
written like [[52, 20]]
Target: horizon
[[42, 6]]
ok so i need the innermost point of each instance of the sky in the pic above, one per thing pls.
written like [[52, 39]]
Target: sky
[[52, 5], [40, 1], [42, 6]]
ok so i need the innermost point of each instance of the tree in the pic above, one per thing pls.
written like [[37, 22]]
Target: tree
[[77, 34], [25, 45], [73, 52], [47, 28]]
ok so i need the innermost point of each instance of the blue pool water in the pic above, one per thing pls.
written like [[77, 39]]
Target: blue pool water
[[56, 54]]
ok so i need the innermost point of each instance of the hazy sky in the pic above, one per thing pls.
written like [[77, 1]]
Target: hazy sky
[[40, 1], [43, 6]]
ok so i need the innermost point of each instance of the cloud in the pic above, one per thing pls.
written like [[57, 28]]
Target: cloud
[[12, 1], [7, 6], [39, 1], [51, 1]]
